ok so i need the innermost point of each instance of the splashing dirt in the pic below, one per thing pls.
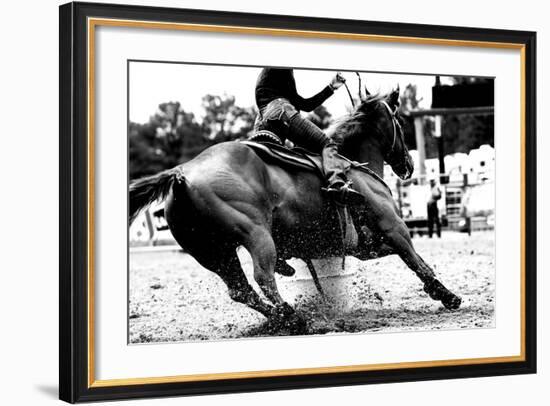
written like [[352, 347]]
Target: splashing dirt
[[172, 298]]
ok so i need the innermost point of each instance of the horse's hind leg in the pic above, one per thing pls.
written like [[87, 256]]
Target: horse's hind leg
[[239, 288], [261, 247], [399, 239], [227, 266]]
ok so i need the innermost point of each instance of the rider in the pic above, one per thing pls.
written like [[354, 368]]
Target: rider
[[279, 107]]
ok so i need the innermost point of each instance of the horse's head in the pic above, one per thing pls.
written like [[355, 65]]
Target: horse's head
[[373, 132], [396, 153]]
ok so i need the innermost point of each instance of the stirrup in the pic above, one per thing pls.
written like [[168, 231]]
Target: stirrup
[[344, 194]]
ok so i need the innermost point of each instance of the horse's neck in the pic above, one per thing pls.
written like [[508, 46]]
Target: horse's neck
[[367, 152]]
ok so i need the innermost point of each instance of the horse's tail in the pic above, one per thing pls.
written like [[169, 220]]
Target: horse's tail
[[145, 191]]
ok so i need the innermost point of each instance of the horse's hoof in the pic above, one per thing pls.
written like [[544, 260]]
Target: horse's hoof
[[437, 291], [296, 325], [452, 303], [434, 289], [285, 318], [283, 311], [284, 269]]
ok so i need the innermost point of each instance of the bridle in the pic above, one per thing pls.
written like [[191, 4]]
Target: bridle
[[394, 121], [395, 125], [393, 113]]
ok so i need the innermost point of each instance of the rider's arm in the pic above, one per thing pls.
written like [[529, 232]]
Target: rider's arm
[[313, 102]]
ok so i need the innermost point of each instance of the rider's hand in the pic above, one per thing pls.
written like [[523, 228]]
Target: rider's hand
[[337, 81]]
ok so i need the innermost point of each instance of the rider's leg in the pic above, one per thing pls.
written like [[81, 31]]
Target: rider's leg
[[281, 116], [430, 220], [306, 134], [437, 222], [335, 169]]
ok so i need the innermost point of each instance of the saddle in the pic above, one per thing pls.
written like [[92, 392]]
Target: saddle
[[269, 148], [295, 158]]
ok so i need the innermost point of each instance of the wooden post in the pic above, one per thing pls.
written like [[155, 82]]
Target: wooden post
[[440, 151], [420, 148], [399, 197]]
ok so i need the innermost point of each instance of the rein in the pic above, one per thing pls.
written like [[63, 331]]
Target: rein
[[364, 167], [349, 94]]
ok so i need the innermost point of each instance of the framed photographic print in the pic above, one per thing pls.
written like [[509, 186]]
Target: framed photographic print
[[257, 202]]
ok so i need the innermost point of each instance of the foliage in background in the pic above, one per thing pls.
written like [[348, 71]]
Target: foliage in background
[[225, 121], [409, 101], [467, 132], [172, 135]]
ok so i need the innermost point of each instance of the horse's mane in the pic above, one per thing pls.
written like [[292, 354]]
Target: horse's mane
[[349, 127]]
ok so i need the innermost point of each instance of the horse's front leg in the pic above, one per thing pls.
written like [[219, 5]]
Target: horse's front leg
[[374, 249], [396, 235], [371, 245]]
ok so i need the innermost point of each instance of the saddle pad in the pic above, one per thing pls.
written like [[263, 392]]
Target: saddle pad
[[284, 156]]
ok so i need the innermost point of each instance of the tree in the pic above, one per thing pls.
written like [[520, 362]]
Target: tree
[[461, 133], [172, 135], [466, 132], [468, 80], [224, 121], [409, 101]]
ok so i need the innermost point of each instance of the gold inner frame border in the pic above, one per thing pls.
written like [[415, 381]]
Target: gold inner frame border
[[94, 22]]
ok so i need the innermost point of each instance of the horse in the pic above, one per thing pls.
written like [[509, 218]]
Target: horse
[[227, 197]]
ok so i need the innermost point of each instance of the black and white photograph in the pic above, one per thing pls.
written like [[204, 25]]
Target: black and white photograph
[[279, 201]]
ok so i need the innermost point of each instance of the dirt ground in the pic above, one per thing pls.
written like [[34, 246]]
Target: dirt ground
[[172, 298]]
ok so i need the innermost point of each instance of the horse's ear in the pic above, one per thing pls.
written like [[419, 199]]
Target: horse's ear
[[367, 91], [359, 88], [393, 98]]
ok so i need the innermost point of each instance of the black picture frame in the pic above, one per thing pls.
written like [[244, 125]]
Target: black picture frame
[[74, 385]]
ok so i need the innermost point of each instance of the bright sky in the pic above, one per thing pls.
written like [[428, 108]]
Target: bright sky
[[152, 83]]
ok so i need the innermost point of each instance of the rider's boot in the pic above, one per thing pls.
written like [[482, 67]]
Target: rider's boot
[[339, 187]]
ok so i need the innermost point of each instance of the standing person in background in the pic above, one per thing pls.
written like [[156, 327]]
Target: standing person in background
[[433, 210]]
